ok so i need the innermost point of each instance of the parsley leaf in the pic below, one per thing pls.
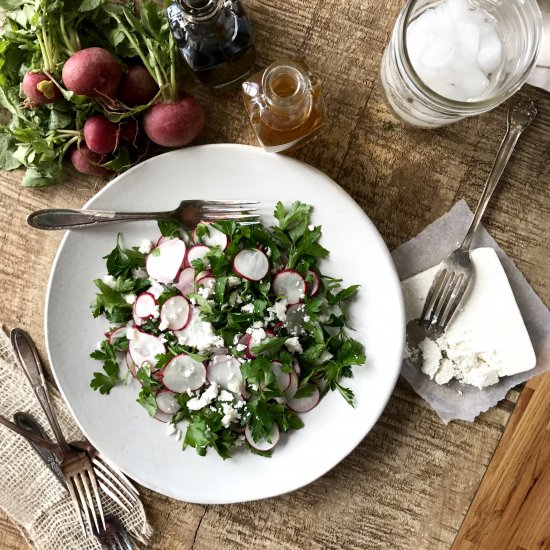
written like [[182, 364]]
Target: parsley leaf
[[107, 380]]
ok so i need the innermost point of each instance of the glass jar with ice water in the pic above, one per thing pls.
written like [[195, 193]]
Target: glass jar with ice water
[[450, 59]]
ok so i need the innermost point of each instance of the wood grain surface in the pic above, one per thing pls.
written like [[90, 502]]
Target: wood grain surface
[[409, 484]]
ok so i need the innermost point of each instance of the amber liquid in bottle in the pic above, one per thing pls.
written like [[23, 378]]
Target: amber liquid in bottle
[[285, 104]]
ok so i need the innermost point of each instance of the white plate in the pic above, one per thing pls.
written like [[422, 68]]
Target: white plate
[[121, 429]]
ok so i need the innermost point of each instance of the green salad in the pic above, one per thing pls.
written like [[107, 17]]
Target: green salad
[[232, 332]]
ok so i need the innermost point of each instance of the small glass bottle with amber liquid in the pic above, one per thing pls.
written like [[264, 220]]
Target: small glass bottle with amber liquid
[[215, 39], [285, 104]]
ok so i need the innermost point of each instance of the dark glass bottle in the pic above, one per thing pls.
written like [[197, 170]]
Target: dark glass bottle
[[215, 40]]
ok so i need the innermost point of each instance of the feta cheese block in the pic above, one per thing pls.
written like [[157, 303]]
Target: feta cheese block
[[486, 338]]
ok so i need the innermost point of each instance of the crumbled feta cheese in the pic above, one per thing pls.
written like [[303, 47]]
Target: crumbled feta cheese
[[190, 392], [253, 387], [302, 295], [233, 281], [236, 338], [139, 273], [256, 334], [239, 299], [306, 318], [199, 334], [229, 414], [156, 289], [208, 395], [280, 309], [205, 292], [170, 429], [130, 298], [257, 324], [109, 280], [225, 396], [248, 308], [240, 404], [293, 345], [240, 347], [311, 227], [146, 246]]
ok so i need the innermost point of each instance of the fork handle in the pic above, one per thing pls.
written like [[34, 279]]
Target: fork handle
[[519, 118], [63, 218], [29, 360]]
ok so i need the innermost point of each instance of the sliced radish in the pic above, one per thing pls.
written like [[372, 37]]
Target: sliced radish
[[198, 252], [283, 378], [290, 284], [213, 237], [250, 343], [226, 372], [251, 264], [295, 316], [293, 387], [208, 281], [117, 333], [263, 444], [167, 402], [162, 239], [144, 348], [183, 373], [163, 417], [146, 306], [296, 366], [314, 285], [164, 261], [185, 282], [138, 321], [304, 404], [175, 313]]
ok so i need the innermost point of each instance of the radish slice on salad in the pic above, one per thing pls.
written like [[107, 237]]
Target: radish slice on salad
[[167, 402], [198, 252], [162, 239], [185, 282], [290, 284], [226, 372], [283, 378], [212, 237], [146, 306], [175, 313], [250, 343], [295, 318], [296, 366], [117, 333], [305, 404], [314, 285], [251, 264], [164, 262], [144, 348], [293, 387], [183, 373], [163, 417], [138, 321], [263, 444], [208, 281]]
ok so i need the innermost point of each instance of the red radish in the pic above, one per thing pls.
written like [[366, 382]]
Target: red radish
[[208, 281], [138, 87], [185, 282], [146, 306], [295, 316], [296, 366], [138, 321], [100, 134], [304, 404], [163, 417], [226, 372], [175, 313], [167, 402], [117, 333], [197, 252], [212, 237], [130, 364], [290, 284], [161, 240], [144, 348], [293, 387], [283, 378], [250, 343], [174, 124], [39, 88], [263, 444], [183, 373], [251, 264], [128, 131], [92, 72], [164, 262], [314, 284], [86, 162]]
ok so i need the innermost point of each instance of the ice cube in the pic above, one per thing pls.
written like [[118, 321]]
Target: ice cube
[[490, 51], [448, 90], [474, 83], [416, 41], [439, 50], [468, 39]]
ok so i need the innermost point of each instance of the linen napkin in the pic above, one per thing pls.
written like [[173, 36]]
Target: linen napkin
[[455, 400], [31, 495]]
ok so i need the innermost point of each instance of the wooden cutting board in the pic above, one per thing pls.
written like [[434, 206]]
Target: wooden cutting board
[[511, 509]]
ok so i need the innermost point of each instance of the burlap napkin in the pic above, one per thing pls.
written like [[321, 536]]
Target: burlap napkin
[[30, 494]]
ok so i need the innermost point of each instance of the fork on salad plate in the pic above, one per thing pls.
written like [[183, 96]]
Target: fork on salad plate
[[189, 214]]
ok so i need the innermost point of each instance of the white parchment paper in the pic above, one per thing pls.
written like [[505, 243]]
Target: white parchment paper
[[456, 400]]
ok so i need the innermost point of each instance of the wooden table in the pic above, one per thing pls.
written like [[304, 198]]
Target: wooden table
[[410, 483]]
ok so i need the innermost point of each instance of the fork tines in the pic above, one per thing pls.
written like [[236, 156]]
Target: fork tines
[[114, 483], [443, 298], [241, 211]]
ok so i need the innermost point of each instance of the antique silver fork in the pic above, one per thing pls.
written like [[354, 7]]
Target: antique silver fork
[[455, 271], [189, 214], [75, 465]]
